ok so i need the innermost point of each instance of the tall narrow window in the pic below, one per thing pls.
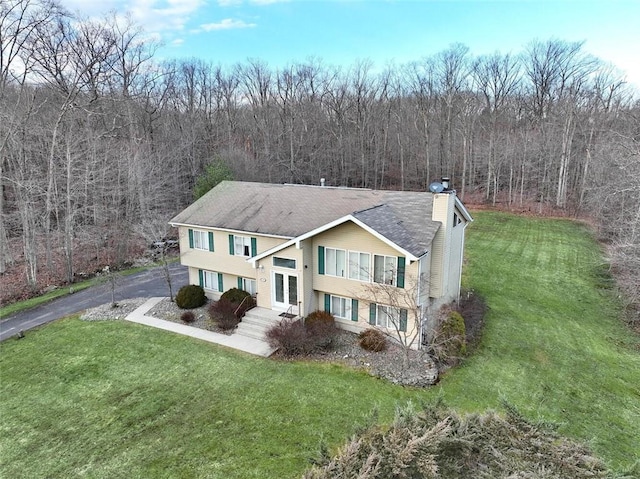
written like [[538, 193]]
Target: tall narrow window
[[335, 263], [341, 307], [359, 264], [249, 285]]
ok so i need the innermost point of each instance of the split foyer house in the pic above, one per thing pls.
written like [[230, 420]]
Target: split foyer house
[[370, 257]]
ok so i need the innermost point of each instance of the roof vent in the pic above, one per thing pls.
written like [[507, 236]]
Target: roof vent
[[321, 181], [445, 182]]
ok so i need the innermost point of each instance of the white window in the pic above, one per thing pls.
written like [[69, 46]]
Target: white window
[[340, 307], [335, 262], [201, 240], [210, 280], [389, 317], [359, 265], [249, 285], [384, 269], [242, 246]]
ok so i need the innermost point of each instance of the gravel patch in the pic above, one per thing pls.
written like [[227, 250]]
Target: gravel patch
[[421, 370], [169, 311], [107, 312], [392, 365]]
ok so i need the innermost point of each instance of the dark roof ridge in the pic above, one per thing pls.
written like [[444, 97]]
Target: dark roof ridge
[[370, 208], [327, 187]]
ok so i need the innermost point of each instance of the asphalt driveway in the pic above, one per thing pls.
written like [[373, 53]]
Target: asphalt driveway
[[145, 284]]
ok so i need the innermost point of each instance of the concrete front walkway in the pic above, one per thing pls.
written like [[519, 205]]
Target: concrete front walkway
[[235, 341]]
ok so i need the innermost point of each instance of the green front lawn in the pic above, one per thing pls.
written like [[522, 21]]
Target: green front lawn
[[114, 399]]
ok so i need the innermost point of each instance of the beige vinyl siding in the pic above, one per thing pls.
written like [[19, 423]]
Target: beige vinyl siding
[[228, 281], [424, 282], [308, 296], [455, 264], [363, 320], [443, 204], [351, 237], [448, 245], [220, 260]]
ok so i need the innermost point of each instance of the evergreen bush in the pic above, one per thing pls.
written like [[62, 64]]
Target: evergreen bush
[[190, 296], [235, 295], [240, 298], [449, 344]]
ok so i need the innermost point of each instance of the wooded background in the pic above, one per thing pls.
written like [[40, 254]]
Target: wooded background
[[100, 144]]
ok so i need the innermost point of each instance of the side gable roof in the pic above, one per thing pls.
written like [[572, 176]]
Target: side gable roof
[[294, 211]]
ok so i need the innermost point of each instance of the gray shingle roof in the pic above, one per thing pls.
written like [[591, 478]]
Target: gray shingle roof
[[293, 210]]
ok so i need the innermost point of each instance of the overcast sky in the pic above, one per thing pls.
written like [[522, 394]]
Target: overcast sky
[[342, 31]]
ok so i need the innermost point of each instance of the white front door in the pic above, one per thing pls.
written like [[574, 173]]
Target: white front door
[[285, 291]]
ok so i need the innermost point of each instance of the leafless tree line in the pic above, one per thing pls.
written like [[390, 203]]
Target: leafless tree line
[[98, 139]]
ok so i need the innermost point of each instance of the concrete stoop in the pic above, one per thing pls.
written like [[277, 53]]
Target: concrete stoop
[[256, 322]]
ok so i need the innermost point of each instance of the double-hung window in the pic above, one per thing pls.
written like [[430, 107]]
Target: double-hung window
[[201, 240], [210, 280], [242, 245], [335, 262], [249, 285], [341, 307], [359, 264], [384, 269], [388, 317]]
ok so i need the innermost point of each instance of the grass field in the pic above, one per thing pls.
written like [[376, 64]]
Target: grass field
[[113, 399]]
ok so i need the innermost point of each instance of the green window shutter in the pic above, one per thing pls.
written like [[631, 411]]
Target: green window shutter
[[327, 302], [220, 285], [210, 240], [239, 282], [254, 246], [231, 250], [401, 265], [320, 259], [372, 313], [354, 310], [190, 238], [201, 278], [403, 320]]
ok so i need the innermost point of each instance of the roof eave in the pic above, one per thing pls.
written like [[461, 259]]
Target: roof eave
[[328, 226], [463, 210], [228, 230]]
